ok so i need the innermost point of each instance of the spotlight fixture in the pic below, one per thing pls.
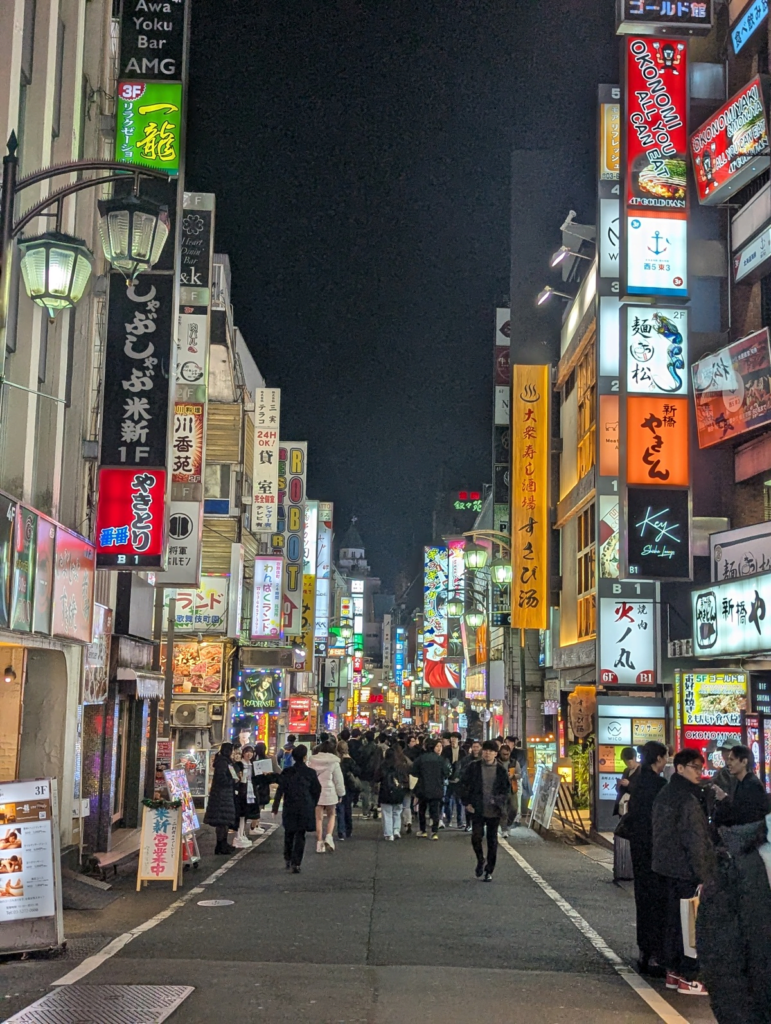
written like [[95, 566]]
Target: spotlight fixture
[[548, 291], [563, 252], [9, 675]]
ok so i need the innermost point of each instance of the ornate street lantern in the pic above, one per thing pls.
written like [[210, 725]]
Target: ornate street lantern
[[475, 556], [474, 619], [501, 571], [56, 269], [454, 608], [134, 231], [346, 631]]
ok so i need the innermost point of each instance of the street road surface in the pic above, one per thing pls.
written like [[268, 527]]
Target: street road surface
[[377, 932]]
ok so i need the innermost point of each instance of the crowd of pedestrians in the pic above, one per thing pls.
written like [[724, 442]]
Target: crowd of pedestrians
[[700, 848]]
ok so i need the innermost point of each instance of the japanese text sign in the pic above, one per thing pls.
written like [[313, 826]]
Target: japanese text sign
[[731, 389], [187, 442], [731, 147], [732, 618], [160, 846], [714, 698], [267, 419], [130, 518], [299, 715], [751, 19], [656, 350], [691, 16], [742, 552], [530, 497], [627, 645], [204, 610], [73, 593], [657, 441], [136, 375], [148, 124], [267, 598], [183, 551]]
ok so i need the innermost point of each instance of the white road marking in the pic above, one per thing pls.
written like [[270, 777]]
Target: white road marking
[[92, 962], [657, 1003]]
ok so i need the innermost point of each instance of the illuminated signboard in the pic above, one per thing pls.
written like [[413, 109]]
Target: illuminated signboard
[[751, 262], [628, 642], [714, 698], [266, 598], [267, 414], [130, 518], [752, 18], [655, 172], [732, 618], [468, 501], [691, 17], [658, 533], [608, 537], [656, 350], [205, 608], [731, 147], [609, 434], [73, 590], [148, 124], [731, 389], [293, 458], [530, 497], [657, 441], [436, 574]]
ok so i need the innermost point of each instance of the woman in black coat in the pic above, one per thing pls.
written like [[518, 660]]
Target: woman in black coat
[[431, 770], [650, 891], [221, 805], [300, 789]]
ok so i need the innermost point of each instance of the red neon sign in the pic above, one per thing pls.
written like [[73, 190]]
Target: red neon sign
[[130, 516]]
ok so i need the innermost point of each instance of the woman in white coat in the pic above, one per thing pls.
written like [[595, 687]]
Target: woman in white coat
[[326, 764]]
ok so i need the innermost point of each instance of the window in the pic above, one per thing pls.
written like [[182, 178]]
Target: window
[[57, 118], [587, 579], [217, 489], [586, 388]]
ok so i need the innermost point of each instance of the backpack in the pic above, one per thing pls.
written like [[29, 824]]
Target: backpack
[[391, 789]]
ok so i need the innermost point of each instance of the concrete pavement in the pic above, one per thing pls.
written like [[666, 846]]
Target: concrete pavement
[[380, 932]]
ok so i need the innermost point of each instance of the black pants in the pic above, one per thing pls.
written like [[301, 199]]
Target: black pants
[[650, 897], [345, 817], [434, 808], [675, 959], [221, 832], [294, 846], [478, 825]]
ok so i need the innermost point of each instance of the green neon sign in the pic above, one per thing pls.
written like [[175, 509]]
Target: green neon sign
[[149, 124]]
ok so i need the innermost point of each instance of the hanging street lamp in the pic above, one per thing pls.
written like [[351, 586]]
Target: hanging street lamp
[[56, 269], [501, 571], [454, 608], [346, 631], [133, 232], [474, 619], [475, 556]]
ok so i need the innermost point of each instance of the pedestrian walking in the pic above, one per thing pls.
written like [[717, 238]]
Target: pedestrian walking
[[452, 800], [650, 889], [300, 789], [431, 769], [393, 782], [352, 785], [221, 805], [264, 780], [684, 856], [733, 926], [286, 759], [326, 764], [510, 766], [474, 754], [366, 759], [485, 790]]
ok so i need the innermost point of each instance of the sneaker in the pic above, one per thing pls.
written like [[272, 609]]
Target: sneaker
[[397, 835], [479, 870], [259, 831], [673, 981], [468, 828], [691, 988], [388, 839], [442, 825], [329, 840], [295, 869], [321, 848], [488, 877], [435, 836], [422, 835], [242, 843]]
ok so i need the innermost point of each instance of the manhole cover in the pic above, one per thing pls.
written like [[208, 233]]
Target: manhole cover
[[215, 903], [105, 1004]]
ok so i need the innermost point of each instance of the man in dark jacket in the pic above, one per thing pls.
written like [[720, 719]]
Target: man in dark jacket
[[367, 758], [683, 854], [747, 800], [431, 769], [485, 790], [300, 788]]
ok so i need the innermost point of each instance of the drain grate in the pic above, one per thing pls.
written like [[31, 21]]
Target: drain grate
[[105, 1004]]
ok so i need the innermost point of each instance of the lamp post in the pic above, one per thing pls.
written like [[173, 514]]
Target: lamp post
[[56, 266]]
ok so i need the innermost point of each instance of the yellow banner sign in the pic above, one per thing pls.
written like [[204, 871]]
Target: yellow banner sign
[[530, 497]]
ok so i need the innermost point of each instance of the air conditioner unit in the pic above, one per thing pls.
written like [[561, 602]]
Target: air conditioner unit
[[190, 715]]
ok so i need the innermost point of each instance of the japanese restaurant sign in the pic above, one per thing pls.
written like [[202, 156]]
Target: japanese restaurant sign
[[187, 442], [691, 17], [299, 717], [73, 592], [198, 667], [731, 147], [267, 421], [656, 350], [731, 389], [655, 171], [742, 552], [752, 17], [530, 497], [130, 518], [267, 598], [714, 698], [628, 642], [657, 441], [732, 618], [28, 852], [149, 124]]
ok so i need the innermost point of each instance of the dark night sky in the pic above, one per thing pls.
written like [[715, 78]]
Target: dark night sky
[[360, 151]]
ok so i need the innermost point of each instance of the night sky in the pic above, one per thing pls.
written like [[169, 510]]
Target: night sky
[[361, 154]]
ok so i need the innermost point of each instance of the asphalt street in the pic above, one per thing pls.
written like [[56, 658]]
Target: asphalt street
[[376, 932]]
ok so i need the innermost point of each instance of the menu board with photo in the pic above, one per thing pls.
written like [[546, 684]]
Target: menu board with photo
[[176, 780], [27, 882], [197, 667]]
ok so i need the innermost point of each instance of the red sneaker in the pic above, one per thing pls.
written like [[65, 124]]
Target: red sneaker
[[673, 981], [691, 988]]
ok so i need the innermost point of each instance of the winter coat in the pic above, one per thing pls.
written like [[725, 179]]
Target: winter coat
[[682, 847], [431, 770], [327, 767], [221, 805], [350, 771], [748, 803], [455, 767], [411, 753], [244, 807], [393, 782], [621, 791], [471, 791], [733, 929], [300, 789], [264, 782], [638, 821], [368, 761]]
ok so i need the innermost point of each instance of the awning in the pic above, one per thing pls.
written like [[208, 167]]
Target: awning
[[141, 684]]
